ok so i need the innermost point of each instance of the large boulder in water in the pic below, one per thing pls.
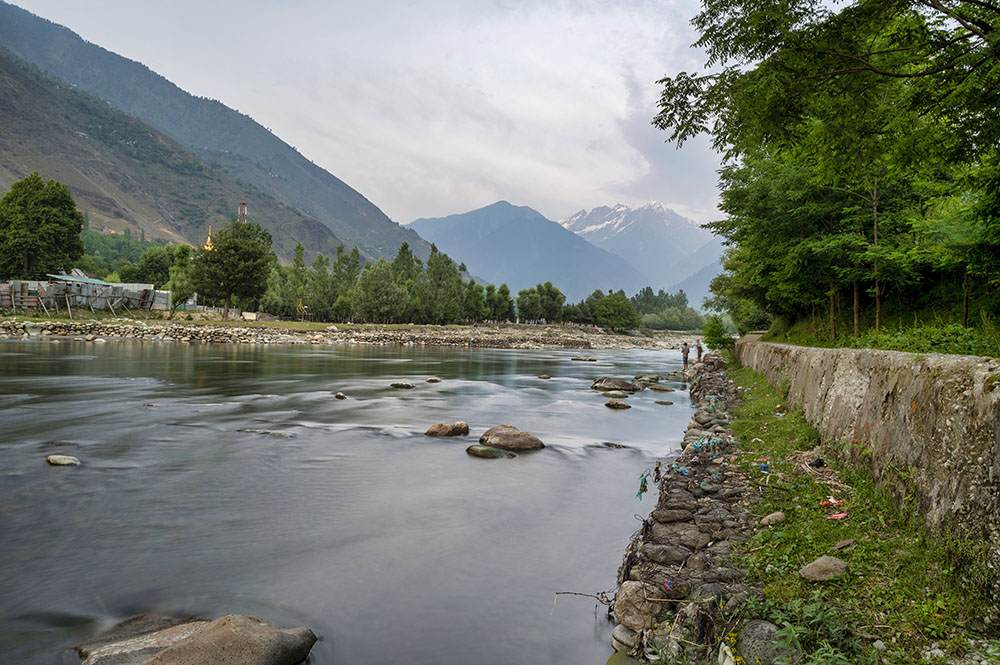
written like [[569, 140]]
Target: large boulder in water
[[235, 639], [606, 383], [508, 437], [488, 452]]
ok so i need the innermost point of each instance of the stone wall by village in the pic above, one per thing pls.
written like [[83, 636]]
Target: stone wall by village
[[927, 426]]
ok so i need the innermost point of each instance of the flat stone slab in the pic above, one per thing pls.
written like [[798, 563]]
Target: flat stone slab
[[488, 452], [62, 460]]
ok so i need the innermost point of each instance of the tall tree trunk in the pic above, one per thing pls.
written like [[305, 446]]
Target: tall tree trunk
[[965, 299], [225, 309], [27, 262], [878, 294], [833, 325], [857, 322]]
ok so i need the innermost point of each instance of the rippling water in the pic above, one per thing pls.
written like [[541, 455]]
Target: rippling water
[[221, 479]]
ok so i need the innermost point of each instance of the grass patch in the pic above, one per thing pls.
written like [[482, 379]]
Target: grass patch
[[905, 588]]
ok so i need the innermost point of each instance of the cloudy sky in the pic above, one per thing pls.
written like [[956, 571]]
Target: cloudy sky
[[431, 107]]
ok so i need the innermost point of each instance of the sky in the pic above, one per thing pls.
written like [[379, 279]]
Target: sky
[[432, 108]]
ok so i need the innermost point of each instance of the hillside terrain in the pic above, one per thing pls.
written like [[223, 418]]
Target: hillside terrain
[[516, 245], [124, 174], [221, 136]]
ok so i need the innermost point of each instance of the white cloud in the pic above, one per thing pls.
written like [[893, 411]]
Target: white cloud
[[433, 108]]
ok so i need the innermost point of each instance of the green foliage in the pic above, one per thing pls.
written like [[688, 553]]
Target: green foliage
[[238, 265], [616, 312], [376, 296], [107, 252], [153, 267], [39, 229], [715, 334], [905, 586], [665, 311], [180, 284]]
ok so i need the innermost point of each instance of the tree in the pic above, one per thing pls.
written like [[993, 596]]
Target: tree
[[376, 297], [529, 305], [615, 311], [153, 267], [39, 229], [238, 265], [180, 285]]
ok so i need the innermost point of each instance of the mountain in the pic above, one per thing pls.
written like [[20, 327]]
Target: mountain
[[652, 238], [239, 145], [517, 245], [696, 285], [125, 174]]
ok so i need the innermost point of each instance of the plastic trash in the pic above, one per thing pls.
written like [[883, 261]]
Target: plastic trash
[[817, 463], [643, 487], [836, 516]]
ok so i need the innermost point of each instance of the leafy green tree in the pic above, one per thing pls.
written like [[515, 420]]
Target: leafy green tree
[[552, 302], [180, 285], [153, 267], [715, 334], [376, 297], [39, 229], [443, 297], [346, 269], [504, 304], [529, 305], [238, 265], [319, 283], [615, 311], [475, 301]]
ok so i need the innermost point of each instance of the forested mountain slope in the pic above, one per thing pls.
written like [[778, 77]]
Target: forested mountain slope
[[125, 174], [219, 134]]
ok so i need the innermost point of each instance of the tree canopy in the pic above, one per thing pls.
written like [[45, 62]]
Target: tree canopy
[[237, 265], [39, 229]]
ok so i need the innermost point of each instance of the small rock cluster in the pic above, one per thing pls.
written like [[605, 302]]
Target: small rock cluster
[[676, 586]]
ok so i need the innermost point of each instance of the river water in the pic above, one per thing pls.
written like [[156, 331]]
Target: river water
[[220, 479]]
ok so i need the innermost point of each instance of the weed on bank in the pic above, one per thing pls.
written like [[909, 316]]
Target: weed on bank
[[907, 597]]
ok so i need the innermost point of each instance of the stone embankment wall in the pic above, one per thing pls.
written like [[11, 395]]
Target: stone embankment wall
[[927, 426]]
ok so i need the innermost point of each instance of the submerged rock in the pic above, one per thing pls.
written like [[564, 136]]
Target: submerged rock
[[432, 379], [544, 376], [663, 402], [660, 388], [340, 396], [62, 460], [617, 404], [616, 394], [586, 359], [458, 428], [508, 437], [488, 452], [402, 385]]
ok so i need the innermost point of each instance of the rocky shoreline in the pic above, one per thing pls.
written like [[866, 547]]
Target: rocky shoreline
[[505, 336], [676, 586]]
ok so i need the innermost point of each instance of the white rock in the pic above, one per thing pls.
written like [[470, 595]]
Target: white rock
[[773, 518], [62, 460]]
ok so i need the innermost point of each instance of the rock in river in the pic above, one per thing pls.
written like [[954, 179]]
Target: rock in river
[[458, 428], [62, 460], [606, 383], [508, 437], [586, 359], [235, 639], [488, 452], [401, 384], [432, 379], [617, 404]]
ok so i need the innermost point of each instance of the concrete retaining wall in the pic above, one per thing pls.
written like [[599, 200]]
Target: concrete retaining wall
[[927, 426]]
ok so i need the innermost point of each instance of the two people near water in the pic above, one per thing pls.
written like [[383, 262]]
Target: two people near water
[[686, 351]]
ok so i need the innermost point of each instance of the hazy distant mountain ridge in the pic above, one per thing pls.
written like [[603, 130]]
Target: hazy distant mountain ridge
[[517, 245], [219, 134], [652, 238]]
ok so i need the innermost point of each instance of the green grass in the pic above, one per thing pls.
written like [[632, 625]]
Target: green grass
[[905, 588], [980, 338]]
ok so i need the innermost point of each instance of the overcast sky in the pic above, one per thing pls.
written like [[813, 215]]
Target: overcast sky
[[430, 108]]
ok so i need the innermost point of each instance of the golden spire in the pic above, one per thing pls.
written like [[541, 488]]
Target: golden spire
[[208, 243]]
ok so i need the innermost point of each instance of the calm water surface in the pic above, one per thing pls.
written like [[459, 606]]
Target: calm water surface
[[393, 547]]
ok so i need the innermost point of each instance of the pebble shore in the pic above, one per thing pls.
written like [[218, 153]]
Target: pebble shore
[[507, 336]]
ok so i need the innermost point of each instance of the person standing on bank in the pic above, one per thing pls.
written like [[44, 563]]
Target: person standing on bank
[[685, 351], [697, 347]]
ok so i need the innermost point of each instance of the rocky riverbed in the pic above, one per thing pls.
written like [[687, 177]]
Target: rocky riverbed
[[507, 336], [676, 586]]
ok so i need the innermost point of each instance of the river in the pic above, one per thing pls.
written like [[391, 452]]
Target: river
[[227, 478]]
